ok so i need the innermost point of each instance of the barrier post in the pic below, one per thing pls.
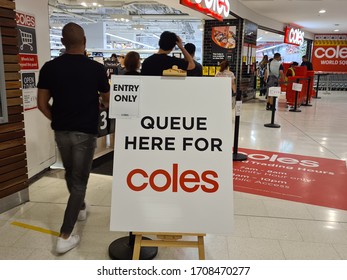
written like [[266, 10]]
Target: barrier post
[[295, 109], [273, 110], [308, 90], [274, 92], [317, 87], [237, 156], [123, 249]]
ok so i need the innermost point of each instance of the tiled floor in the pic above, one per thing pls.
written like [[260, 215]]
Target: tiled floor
[[265, 228]]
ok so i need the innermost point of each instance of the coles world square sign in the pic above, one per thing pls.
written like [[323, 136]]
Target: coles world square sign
[[173, 154]]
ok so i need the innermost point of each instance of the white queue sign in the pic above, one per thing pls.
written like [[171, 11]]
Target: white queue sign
[[275, 91], [172, 168], [297, 87]]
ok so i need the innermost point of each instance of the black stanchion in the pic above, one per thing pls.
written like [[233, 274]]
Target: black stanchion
[[237, 156], [273, 110], [295, 109], [317, 87], [122, 249], [308, 93]]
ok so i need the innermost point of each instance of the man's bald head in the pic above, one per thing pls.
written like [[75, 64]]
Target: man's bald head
[[73, 36]]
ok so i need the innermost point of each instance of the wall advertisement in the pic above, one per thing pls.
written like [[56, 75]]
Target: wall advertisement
[[28, 58], [224, 42], [330, 53], [172, 164]]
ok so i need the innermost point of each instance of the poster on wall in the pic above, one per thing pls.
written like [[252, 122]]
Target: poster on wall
[[29, 90], [224, 42], [26, 24], [172, 163], [330, 53]]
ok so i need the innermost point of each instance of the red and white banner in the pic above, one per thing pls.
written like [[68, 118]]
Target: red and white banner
[[312, 180], [330, 53], [27, 41], [294, 36], [173, 163]]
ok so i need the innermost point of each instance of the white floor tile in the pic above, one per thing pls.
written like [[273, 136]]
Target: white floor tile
[[273, 228], [322, 232], [308, 251], [254, 249]]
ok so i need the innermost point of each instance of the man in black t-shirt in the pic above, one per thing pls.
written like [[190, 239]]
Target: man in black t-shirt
[[306, 63], [155, 64], [74, 82], [197, 71]]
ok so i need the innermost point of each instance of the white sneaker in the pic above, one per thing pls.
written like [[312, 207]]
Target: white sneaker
[[82, 215], [64, 245]]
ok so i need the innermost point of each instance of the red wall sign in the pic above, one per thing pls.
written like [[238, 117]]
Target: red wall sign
[[217, 9], [294, 36], [330, 53]]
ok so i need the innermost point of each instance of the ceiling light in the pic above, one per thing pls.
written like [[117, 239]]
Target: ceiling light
[[336, 30], [122, 18], [138, 26], [91, 3], [201, 27], [322, 11]]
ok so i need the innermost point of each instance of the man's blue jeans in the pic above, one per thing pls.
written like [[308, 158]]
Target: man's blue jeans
[[77, 152]]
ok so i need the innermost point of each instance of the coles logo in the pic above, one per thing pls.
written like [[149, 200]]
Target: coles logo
[[188, 180], [25, 20], [331, 52], [284, 160], [213, 8], [219, 6], [294, 36]]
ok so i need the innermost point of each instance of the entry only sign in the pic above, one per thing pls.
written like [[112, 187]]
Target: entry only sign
[[173, 163]]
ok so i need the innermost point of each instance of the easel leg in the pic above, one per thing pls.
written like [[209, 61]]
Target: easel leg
[[137, 247], [201, 248]]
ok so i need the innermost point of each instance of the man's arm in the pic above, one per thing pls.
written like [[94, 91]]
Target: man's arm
[[187, 56], [43, 97], [105, 99]]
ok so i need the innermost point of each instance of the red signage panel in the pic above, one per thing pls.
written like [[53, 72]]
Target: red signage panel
[[217, 9], [330, 53], [294, 36], [28, 61], [305, 179]]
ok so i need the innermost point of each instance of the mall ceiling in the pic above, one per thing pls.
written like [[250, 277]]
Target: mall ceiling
[[304, 13], [146, 20]]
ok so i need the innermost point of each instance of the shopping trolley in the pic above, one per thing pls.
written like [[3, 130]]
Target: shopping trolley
[[27, 39]]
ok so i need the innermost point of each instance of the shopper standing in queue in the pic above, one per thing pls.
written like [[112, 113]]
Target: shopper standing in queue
[[75, 83], [261, 73], [120, 66], [197, 71], [224, 71], [132, 63], [155, 64], [274, 75]]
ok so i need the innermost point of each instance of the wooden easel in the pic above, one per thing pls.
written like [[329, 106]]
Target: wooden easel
[[168, 240]]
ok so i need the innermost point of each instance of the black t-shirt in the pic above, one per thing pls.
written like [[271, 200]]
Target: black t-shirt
[[155, 64], [308, 65], [197, 71], [120, 70], [74, 82]]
